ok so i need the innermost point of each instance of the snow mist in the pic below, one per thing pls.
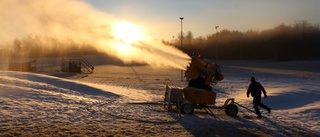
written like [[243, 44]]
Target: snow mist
[[71, 20]]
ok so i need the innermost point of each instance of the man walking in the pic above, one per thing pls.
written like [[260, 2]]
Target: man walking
[[255, 89]]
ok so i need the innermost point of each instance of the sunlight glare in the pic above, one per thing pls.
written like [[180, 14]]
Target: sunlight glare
[[126, 32], [125, 35]]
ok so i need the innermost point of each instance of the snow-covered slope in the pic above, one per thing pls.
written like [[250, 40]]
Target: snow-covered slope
[[96, 104]]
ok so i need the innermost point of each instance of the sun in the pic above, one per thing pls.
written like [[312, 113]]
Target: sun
[[125, 35]]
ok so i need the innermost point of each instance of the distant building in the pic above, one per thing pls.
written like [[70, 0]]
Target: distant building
[[25, 65], [72, 66]]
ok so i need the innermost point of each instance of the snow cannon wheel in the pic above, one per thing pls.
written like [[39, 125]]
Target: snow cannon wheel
[[231, 110], [187, 107]]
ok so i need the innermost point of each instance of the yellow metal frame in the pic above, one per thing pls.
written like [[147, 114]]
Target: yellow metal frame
[[199, 96]]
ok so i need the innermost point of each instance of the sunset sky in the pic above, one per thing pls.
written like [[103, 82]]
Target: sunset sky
[[160, 18]]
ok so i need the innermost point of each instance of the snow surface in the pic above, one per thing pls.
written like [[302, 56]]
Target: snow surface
[[109, 102]]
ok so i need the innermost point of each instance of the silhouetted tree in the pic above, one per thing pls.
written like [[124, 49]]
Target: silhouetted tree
[[283, 42]]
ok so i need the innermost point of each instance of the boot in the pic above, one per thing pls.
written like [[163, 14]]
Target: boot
[[269, 110]]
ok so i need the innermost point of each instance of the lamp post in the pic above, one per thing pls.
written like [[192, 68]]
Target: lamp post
[[216, 27], [181, 18]]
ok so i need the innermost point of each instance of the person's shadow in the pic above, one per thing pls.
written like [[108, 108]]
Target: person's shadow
[[200, 124], [273, 129]]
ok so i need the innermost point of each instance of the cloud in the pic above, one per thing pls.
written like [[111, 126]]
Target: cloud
[[66, 20]]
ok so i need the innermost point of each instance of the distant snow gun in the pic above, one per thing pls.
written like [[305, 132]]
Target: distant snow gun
[[199, 93]]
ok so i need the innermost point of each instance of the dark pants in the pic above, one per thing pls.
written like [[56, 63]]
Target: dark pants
[[256, 103]]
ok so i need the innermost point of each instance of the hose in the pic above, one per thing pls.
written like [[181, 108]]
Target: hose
[[247, 108]]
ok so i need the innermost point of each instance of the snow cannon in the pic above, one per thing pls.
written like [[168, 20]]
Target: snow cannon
[[203, 72], [199, 93]]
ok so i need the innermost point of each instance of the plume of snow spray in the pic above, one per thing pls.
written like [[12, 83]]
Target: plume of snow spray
[[66, 20]]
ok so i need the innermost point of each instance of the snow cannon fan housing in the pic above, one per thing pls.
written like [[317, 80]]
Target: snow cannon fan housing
[[205, 70]]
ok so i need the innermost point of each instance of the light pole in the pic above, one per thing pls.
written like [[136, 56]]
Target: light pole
[[181, 18], [216, 27]]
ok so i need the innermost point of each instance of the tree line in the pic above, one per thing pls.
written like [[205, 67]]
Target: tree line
[[283, 42], [35, 46]]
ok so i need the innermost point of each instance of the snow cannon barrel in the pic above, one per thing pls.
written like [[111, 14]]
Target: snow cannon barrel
[[204, 71]]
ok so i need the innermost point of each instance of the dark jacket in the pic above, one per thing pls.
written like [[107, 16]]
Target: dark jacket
[[255, 89]]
